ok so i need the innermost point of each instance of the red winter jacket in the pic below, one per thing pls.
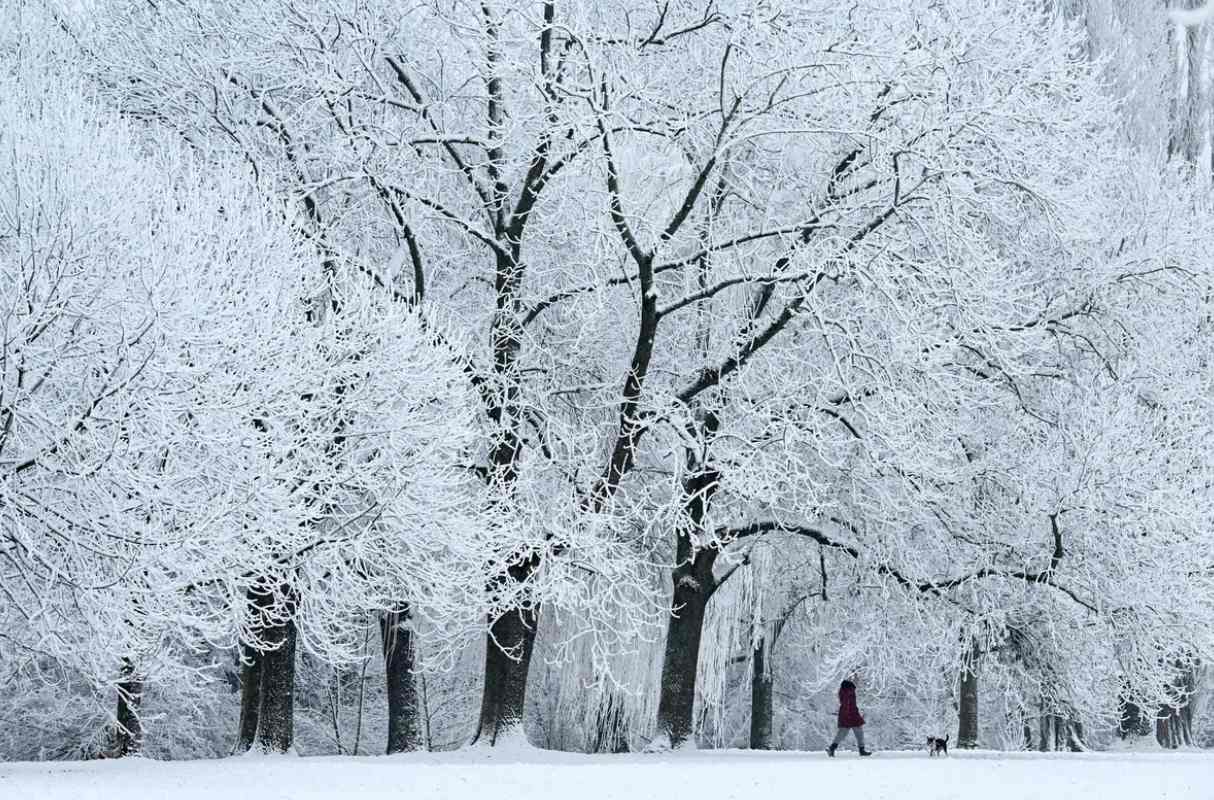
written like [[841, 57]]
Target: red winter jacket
[[849, 712]]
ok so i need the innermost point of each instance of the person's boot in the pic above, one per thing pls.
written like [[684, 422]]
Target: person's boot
[[864, 752], [830, 750]]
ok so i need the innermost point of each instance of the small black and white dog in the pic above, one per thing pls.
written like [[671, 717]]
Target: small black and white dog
[[937, 746]]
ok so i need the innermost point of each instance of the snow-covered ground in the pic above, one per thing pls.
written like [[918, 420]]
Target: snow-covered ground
[[536, 775]]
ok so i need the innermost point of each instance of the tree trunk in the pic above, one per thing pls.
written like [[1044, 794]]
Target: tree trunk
[[611, 729], [276, 709], [1174, 727], [1074, 736], [1055, 733], [427, 737], [504, 694], [250, 697], [967, 725], [1190, 128], [693, 587], [130, 727], [507, 661], [1174, 724], [401, 688], [681, 660], [761, 710], [1133, 722]]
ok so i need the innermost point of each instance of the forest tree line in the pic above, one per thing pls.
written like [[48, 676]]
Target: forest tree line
[[615, 374]]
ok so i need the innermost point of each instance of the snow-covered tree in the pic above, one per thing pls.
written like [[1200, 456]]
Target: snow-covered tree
[[210, 432], [820, 341]]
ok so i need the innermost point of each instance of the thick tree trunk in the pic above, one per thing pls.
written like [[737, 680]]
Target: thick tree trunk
[[401, 688], [1133, 722], [1074, 736], [1174, 724], [967, 725], [276, 714], [681, 660], [130, 696], [1163, 733], [511, 638], [250, 697], [694, 584], [761, 707], [1055, 733], [507, 661], [611, 729], [1174, 727]]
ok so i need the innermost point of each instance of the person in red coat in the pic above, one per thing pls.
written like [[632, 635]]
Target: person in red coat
[[849, 720]]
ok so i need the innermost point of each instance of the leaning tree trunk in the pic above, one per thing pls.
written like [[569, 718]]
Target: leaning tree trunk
[[761, 707], [130, 727], [507, 661], [967, 725], [401, 688], [276, 712]]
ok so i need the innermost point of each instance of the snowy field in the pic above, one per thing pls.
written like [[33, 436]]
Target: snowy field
[[538, 775]]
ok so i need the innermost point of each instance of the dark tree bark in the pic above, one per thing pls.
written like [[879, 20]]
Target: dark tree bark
[[129, 739], [1174, 724], [505, 695], [276, 713], [681, 660], [692, 576], [1056, 733], [1074, 736], [694, 585], [250, 697], [693, 581], [1133, 722], [401, 688], [505, 683], [967, 725], [761, 706], [251, 661], [505, 686], [267, 679], [507, 661], [1174, 727]]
